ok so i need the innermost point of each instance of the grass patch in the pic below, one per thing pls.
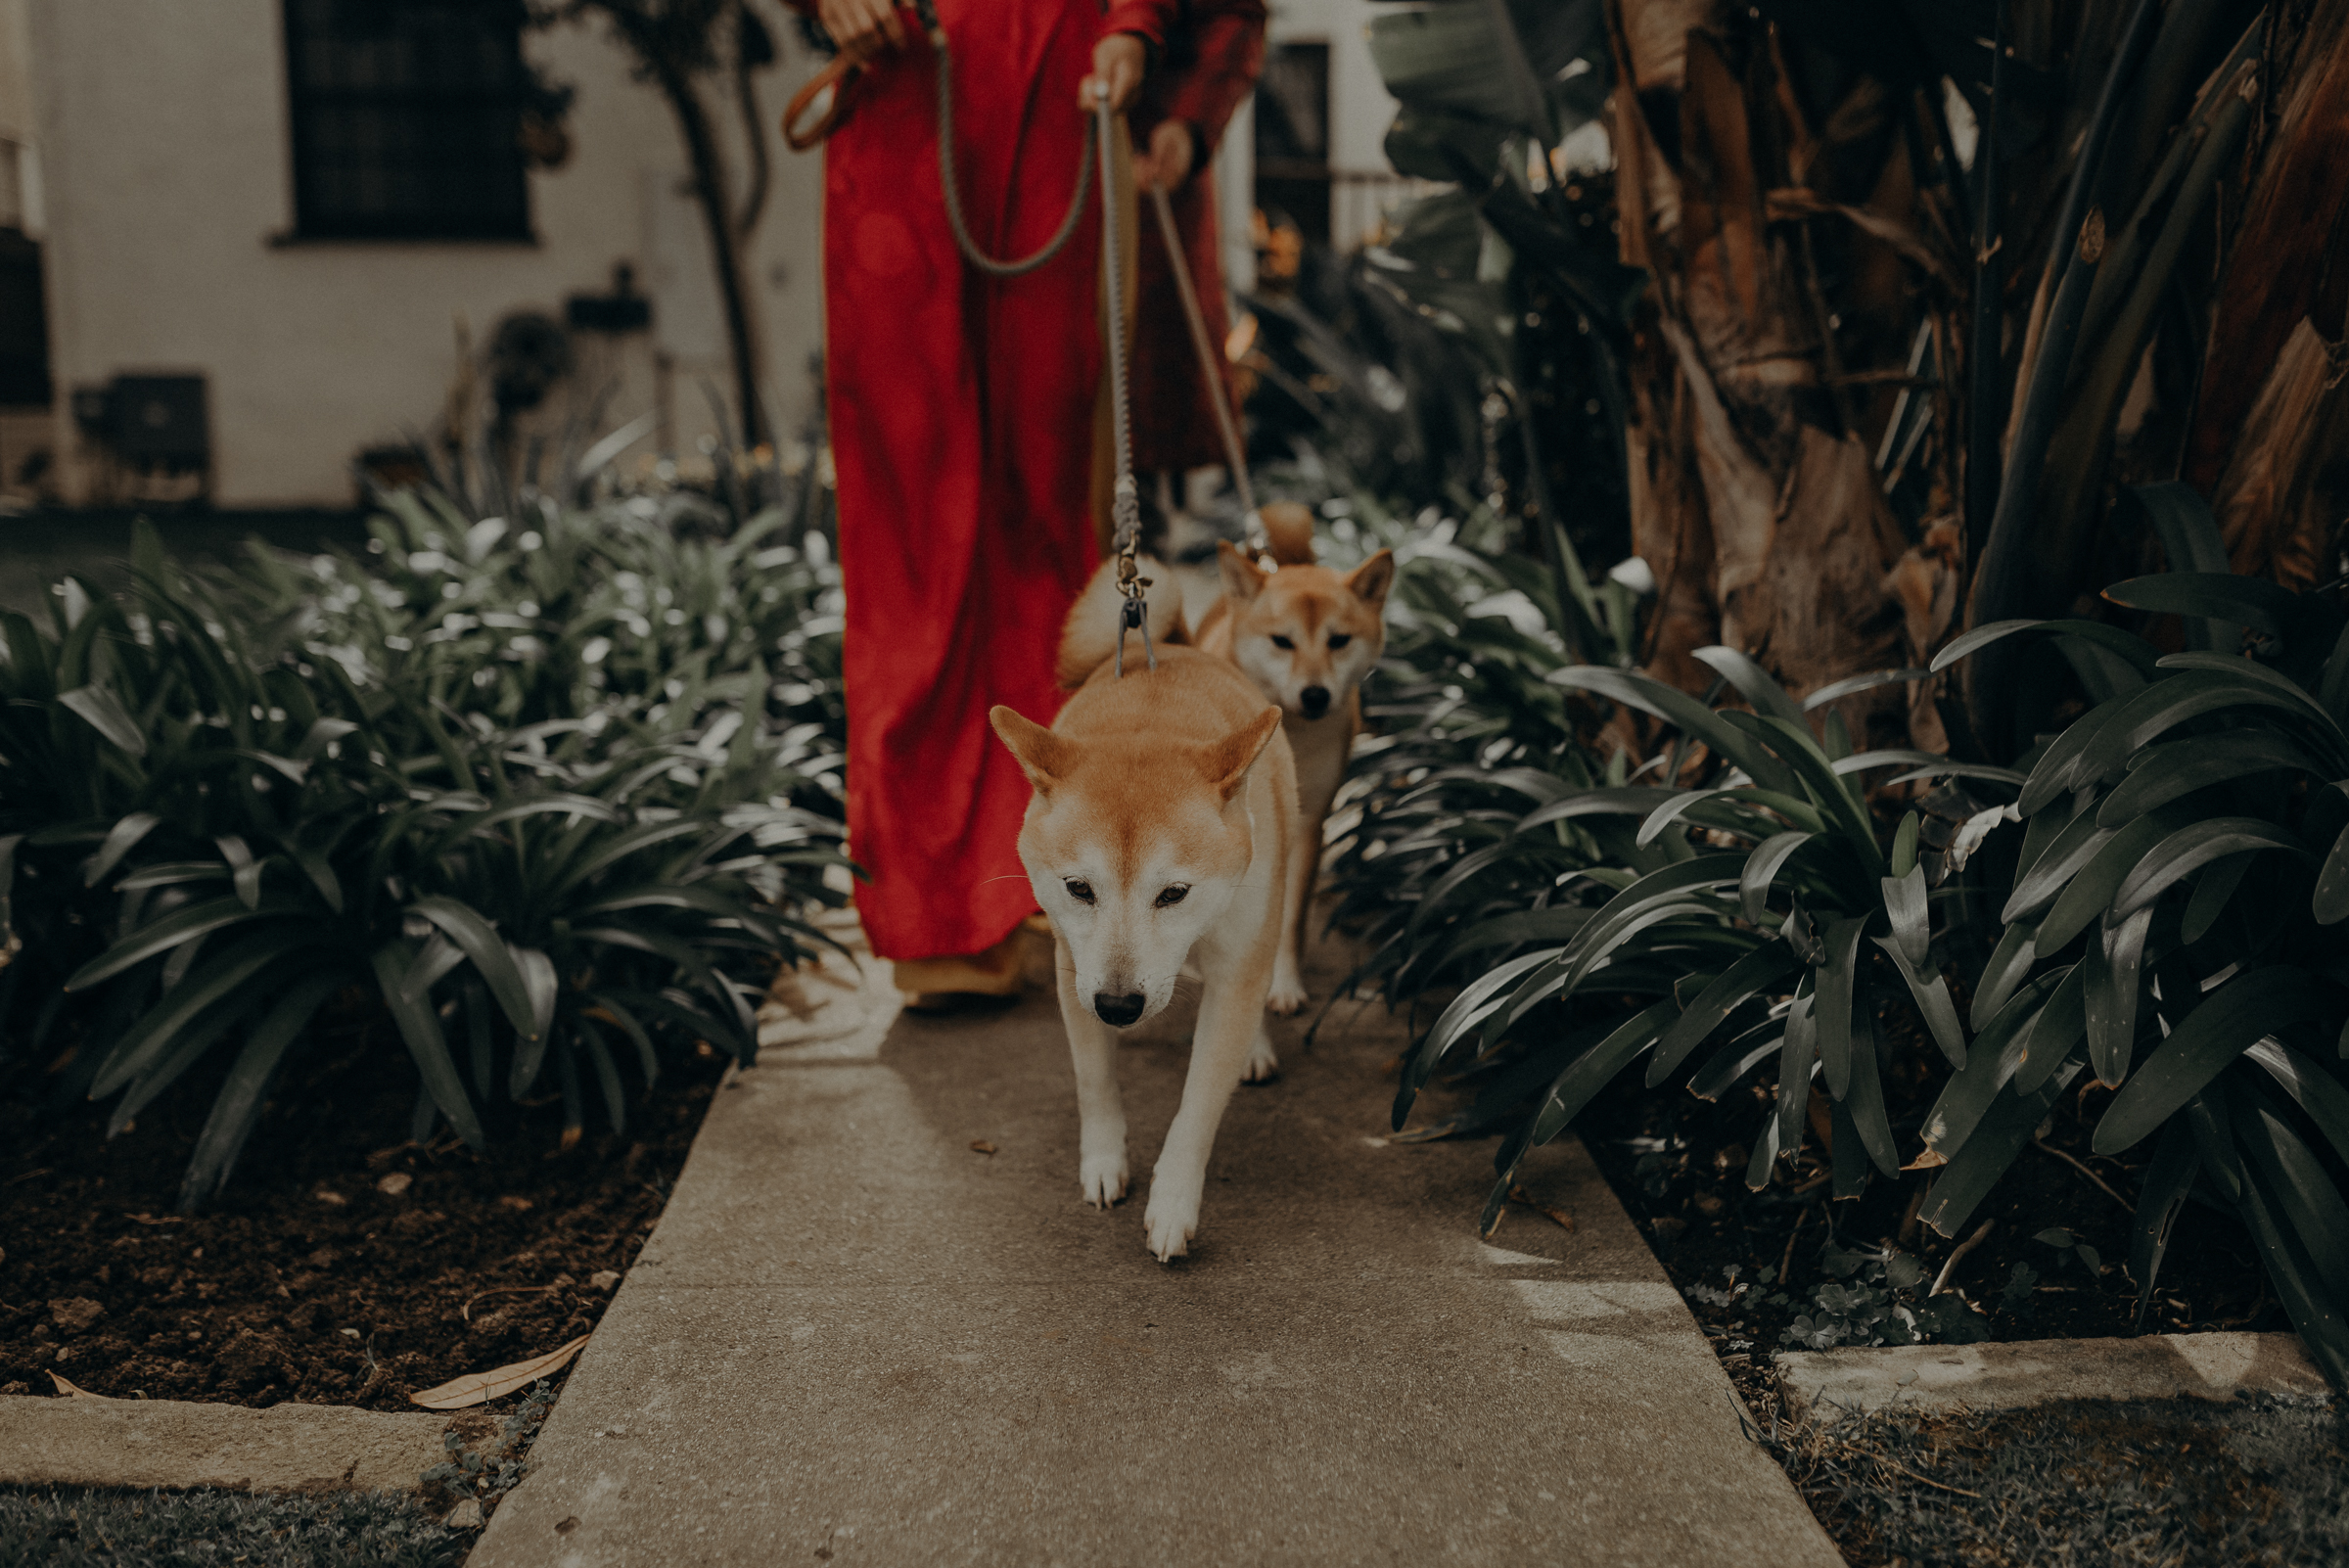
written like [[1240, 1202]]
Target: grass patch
[[67, 1527], [2085, 1483]]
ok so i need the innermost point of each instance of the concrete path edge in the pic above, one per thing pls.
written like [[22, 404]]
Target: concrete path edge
[[172, 1442], [1836, 1385]]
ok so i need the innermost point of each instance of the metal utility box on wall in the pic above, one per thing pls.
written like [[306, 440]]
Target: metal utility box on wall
[[160, 421], [145, 425]]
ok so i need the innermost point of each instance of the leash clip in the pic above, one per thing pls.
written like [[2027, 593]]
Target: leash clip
[[1135, 613]]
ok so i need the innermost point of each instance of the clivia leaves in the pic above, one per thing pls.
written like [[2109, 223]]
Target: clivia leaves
[[2228, 1023]]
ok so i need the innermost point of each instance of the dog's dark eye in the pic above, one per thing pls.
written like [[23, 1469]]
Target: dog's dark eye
[[1082, 891], [1279, 641], [1339, 640], [1174, 894]]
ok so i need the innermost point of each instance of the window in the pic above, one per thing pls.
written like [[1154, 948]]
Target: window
[[1292, 137], [24, 315], [407, 119]]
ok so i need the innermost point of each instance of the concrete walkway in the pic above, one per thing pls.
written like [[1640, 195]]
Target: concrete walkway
[[855, 1338]]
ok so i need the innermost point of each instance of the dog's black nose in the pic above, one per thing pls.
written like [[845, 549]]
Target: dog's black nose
[[1316, 701], [1118, 1011]]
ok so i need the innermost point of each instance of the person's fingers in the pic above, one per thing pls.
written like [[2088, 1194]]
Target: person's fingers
[[1125, 81], [1171, 153], [1117, 70], [854, 22]]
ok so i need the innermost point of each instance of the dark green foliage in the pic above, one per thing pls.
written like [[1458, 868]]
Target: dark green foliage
[[2178, 887], [76, 1528], [1589, 891], [548, 841], [2167, 922], [1478, 348]]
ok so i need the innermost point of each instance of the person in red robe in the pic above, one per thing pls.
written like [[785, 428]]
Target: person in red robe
[[963, 413]]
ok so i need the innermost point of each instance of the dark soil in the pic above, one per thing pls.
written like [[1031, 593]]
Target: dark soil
[[2092, 1483], [319, 1275], [1679, 1164]]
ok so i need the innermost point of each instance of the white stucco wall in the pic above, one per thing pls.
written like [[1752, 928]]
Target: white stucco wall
[[1359, 106], [167, 176], [1360, 110]]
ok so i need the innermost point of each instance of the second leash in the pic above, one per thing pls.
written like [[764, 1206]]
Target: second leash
[[1235, 455]]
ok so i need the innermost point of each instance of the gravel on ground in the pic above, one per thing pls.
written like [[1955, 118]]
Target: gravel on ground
[[2086, 1484], [76, 1528]]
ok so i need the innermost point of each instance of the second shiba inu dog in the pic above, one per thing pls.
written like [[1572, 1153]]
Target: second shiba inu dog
[[1164, 803], [1306, 636]]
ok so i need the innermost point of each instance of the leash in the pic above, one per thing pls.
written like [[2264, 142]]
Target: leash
[[1126, 501], [840, 75], [1126, 511], [1235, 456]]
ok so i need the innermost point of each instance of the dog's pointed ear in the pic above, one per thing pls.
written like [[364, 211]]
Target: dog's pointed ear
[[1372, 579], [1046, 758], [1243, 578], [1226, 761]]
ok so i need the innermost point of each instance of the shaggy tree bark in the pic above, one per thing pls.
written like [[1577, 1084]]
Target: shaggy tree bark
[[2273, 418], [1754, 498]]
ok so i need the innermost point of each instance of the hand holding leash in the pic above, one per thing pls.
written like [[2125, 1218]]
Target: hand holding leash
[[861, 30], [1117, 66]]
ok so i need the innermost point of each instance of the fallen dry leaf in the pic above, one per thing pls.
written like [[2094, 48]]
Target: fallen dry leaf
[[70, 1391], [394, 1184], [1557, 1217], [982, 1147], [479, 1388]]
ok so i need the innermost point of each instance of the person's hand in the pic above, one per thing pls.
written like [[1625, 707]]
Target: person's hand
[[858, 26], [1168, 160], [1117, 68]]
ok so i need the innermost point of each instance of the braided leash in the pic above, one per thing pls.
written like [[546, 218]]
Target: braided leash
[[1126, 511], [1096, 132], [1125, 502]]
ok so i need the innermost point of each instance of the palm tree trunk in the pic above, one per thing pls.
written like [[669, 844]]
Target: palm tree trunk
[[1753, 497]]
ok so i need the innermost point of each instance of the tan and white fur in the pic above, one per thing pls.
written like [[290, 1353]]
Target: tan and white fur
[[1164, 805], [1306, 636]]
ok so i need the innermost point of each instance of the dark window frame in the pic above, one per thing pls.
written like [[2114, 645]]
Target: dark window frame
[[1292, 169], [422, 119]]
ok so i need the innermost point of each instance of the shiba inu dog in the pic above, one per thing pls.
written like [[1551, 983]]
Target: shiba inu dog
[[1306, 636], [1165, 801]]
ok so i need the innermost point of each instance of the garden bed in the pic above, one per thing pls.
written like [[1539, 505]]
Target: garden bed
[[2091, 1483], [321, 1274], [1679, 1166]]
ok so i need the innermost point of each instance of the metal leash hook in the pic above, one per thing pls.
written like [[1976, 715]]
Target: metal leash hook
[[1125, 500]]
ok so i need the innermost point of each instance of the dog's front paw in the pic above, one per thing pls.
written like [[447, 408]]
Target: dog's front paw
[[1263, 1066], [1171, 1221], [1288, 995], [1103, 1177]]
